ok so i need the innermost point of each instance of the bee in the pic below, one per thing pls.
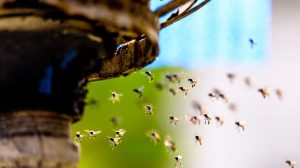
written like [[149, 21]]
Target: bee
[[252, 43], [170, 144], [198, 140], [173, 120], [219, 120], [78, 137], [223, 97], [114, 142], [92, 102], [139, 91], [170, 78], [231, 76], [115, 121], [213, 96], [240, 124], [154, 136], [120, 133], [195, 120], [149, 75], [148, 109], [291, 163], [219, 94], [232, 106], [207, 119], [173, 78], [178, 161], [159, 86], [115, 97], [177, 77], [185, 90], [199, 107], [217, 91], [192, 81], [173, 91], [92, 134], [248, 82], [264, 92], [279, 93]]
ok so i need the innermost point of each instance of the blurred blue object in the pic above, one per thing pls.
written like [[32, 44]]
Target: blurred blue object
[[219, 32]]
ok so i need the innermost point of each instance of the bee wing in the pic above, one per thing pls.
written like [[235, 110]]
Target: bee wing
[[87, 131], [97, 132], [141, 88]]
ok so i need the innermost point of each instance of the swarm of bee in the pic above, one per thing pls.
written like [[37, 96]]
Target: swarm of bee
[[172, 82], [90, 133]]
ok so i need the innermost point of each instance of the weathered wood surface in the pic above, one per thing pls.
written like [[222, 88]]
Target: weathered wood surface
[[31, 139]]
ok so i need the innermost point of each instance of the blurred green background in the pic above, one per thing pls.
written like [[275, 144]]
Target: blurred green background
[[136, 149]]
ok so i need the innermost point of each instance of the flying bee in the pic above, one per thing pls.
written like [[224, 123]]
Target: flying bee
[[199, 107], [207, 119], [213, 96], [120, 133], [92, 134], [192, 81], [173, 120], [231, 76], [78, 137], [170, 78], [248, 82], [170, 144], [264, 92], [240, 124], [232, 106], [223, 97], [115, 121], [159, 86], [139, 91], [219, 94], [291, 163], [115, 97], [154, 136], [173, 78], [198, 140], [252, 43], [279, 93], [217, 91], [92, 102], [114, 142], [178, 161], [173, 91], [184, 90], [148, 109], [149, 75], [219, 120], [195, 120], [177, 77]]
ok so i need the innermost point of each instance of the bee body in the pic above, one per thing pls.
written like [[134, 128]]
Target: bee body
[[173, 120]]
